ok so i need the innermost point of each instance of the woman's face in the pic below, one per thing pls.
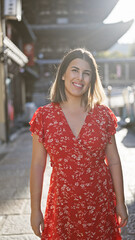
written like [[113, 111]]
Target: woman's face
[[77, 78]]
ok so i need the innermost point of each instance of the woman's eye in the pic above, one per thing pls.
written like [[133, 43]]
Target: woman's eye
[[86, 73], [74, 70]]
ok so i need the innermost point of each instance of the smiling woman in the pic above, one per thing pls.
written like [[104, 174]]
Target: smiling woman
[[86, 196]]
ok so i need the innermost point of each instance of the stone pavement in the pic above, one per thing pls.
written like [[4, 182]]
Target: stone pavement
[[14, 185]]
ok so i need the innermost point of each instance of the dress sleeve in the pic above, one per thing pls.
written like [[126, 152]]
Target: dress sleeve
[[112, 124], [36, 124]]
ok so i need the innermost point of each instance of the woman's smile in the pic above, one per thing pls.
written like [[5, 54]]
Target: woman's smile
[[78, 85]]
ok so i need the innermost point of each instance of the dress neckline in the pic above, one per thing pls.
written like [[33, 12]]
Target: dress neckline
[[68, 125]]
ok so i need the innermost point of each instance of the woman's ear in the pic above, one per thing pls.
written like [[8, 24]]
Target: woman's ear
[[63, 78]]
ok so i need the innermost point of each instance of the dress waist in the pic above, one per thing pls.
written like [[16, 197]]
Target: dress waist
[[76, 162]]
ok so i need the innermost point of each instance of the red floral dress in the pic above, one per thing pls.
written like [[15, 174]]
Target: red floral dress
[[81, 200]]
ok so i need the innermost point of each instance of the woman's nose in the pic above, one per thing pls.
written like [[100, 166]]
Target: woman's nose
[[80, 75]]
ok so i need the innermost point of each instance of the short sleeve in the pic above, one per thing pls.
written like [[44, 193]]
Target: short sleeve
[[112, 124], [36, 124]]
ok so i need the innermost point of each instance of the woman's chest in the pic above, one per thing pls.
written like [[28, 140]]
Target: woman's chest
[[92, 134]]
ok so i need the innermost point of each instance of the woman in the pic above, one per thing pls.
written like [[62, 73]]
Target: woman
[[86, 198]]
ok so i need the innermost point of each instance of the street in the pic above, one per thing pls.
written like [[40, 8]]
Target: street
[[14, 185]]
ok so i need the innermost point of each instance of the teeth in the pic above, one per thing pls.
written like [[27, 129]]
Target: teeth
[[78, 85]]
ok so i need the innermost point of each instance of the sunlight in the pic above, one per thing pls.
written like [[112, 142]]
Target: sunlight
[[124, 11]]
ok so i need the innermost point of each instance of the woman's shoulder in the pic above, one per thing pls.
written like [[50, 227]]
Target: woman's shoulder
[[49, 108], [46, 108], [103, 109]]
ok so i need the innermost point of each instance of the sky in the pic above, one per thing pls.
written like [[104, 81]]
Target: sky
[[124, 11]]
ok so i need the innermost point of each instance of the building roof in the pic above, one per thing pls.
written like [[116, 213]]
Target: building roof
[[60, 25], [93, 10], [94, 36]]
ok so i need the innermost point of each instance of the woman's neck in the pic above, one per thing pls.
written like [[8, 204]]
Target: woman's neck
[[73, 105]]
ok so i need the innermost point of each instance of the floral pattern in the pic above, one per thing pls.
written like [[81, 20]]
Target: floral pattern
[[81, 199]]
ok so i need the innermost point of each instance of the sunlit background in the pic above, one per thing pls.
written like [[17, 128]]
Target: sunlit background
[[124, 11], [34, 36]]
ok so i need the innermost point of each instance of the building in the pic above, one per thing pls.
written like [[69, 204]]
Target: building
[[14, 36], [117, 72]]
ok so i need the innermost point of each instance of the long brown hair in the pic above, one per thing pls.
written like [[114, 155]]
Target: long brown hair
[[95, 94]]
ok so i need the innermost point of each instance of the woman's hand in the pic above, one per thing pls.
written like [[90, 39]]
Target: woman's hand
[[122, 214], [37, 222]]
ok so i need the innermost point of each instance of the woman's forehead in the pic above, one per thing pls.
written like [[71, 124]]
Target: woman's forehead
[[80, 63]]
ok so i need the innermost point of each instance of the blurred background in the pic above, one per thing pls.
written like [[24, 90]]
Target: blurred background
[[34, 35]]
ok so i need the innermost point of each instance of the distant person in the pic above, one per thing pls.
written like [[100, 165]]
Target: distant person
[[86, 198]]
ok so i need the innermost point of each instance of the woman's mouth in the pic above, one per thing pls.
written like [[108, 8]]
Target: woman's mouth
[[78, 85]]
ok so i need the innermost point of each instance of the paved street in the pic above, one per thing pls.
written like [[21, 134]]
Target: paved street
[[14, 185]]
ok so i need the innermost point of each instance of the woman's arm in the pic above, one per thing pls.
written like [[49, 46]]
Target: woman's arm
[[114, 164], [38, 165]]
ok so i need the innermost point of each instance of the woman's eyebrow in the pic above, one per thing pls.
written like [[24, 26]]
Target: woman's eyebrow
[[86, 70]]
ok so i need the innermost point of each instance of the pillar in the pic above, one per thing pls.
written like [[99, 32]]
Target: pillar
[[3, 97], [106, 74], [127, 72]]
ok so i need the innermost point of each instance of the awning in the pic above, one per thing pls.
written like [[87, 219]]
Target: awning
[[13, 52]]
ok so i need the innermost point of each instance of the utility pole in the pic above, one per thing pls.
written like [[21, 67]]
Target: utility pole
[[4, 126]]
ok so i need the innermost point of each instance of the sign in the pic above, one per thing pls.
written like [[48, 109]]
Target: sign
[[118, 70], [13, 9], [29, 52]]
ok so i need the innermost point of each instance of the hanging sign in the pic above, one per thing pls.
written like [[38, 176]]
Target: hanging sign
[[13, 9], [29, 52]]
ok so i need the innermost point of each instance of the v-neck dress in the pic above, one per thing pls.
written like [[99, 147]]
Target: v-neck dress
[[81, 200]]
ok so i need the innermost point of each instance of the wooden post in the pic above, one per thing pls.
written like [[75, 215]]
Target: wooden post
[[3, 95]]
